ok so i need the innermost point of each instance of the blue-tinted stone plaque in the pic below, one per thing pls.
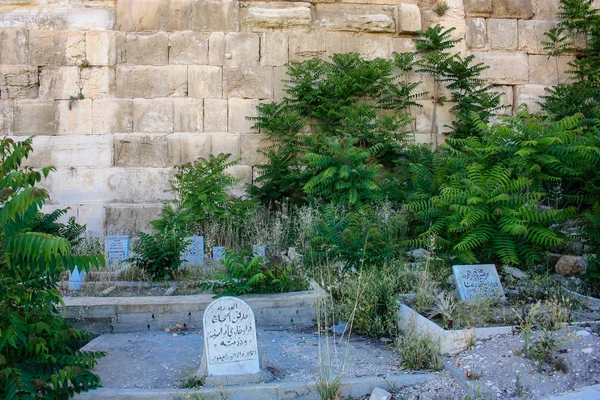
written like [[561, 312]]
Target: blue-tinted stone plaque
[[218, 253], [478, 282], [116, 249], [76, 278], [258, 250], [194, 252]]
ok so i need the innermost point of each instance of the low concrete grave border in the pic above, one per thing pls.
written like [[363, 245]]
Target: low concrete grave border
[[133, 314], [451, 341], [353, 387]]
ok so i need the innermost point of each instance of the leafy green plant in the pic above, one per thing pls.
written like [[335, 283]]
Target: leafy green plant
[[39, 351], [48, 223]]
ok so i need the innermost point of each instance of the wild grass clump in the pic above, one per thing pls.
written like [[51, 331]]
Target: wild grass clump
[[418, 351]]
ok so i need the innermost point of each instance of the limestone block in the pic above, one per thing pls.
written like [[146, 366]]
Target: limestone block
[[244, 174], [506, 99], [504, 68], [226, 143], [188, 47], [72, 151], [177, 15], [6, 117], [478, 8], [112, 116], [140, 185], [145, 49], [153, 115], [18, 82], [276, 15], [502, 34], [97, 82], [303, 46], [141, 150], [248, 82], [130, 219], [56, 47], [34, 117], [78, 185], [93, 216], [368, 46], [152, 82], [59, 82], [15, 46], [101, 47], [279, 86], [215, 115], [356, 18], [512, 9], [564, 75], [382, 2], [249, 146], [57, 15], [409, 18], [476, 33], [402, 45], [241, 49], [216, 48], [205, 81], [454, 17], [545, 9], [188, 115], [186, 147], [239, 109], [531, 95], [531, 34], [424, 118], [543, 70], [74, 116], [274, 49]]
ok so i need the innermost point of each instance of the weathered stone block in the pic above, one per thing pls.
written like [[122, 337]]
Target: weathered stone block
[[72, 151], [153, 115], [56, 47], [185, 147], [276, 15], [112, 116], [531, 34], [279, 74], [274, 49], [145, 49], [503, 34], [188, 47], [248, 82], [244, 174], [56, 15], [564, 75], [512, 9], [409, 18], [545, 9], [18, 82], [369, 46], [97, 82], [504, 68], [542, 70], [205, 81], [6, 117], [74, 116], [356, 18], [216, 48], [215, 115], [15, 46], [478, 8], [139, 185], [250, 144], [130, 219], [506, 99], [34, 117], [92, 215], [152, 82], [402, 45], [188, 115], [101, 47], [304, 46], [239, 109], [476, 33], [226, 143], [531, 95], [59, 83], [138, 15], [241, 49], [424, 118], [140, 150]]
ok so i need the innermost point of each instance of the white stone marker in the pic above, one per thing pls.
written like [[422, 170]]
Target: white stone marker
[[218, 253], [194, 252], [230, 343], [76, 278], [258, 250], [477, 282], [116, 249]]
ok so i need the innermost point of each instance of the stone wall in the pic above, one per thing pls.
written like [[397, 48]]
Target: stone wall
[[117, 92]]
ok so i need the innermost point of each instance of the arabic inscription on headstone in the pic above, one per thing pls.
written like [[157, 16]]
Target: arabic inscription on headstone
[[116, 249], [478, 282]]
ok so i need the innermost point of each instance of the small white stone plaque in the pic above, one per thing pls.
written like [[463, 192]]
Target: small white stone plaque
[[230, 343], [76, 278], [218, 253], [116, 249], [194, 252], [258, 250], [478, 282]]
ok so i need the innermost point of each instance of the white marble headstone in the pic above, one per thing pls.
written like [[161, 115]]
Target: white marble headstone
[[194, 252], [477, 282], [116, 249], [230, 343]]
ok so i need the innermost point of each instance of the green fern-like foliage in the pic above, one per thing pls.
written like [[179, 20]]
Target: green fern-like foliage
[[39, 351], [48, 223]]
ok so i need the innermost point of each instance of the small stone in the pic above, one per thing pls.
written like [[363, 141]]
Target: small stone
[[583, 333], [340, 328], [385, 340], [418, 254], [588, 350], [515, 272], [571, 265], [380, 394]]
